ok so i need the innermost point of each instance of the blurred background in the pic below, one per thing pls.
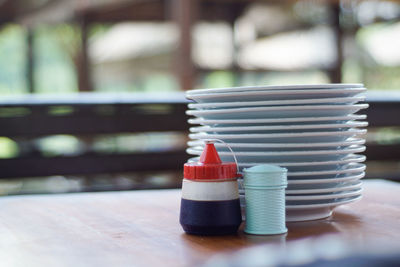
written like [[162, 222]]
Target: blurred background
[[51, 50]]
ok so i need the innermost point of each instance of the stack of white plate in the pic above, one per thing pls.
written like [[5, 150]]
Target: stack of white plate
[[312, 130]]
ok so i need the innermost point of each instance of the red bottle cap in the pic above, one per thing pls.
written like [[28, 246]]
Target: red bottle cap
[[210, 166]]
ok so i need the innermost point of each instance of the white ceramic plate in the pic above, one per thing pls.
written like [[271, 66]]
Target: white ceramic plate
[[336, 187], [308, 212], [328, 174], [302, 120], [302, 166], [344, 169], [316, 137], [275, 87], [346, 194], [236, 147], [351, 186], [278, 111], [311, 188], [296, 213], [287, 158], [339, 179], [326, 187], [286, 128], [303, 203], [299, 200], [267, 95], [349, 171], [341, 172], [331, 188], [336, 100], [346, 150]]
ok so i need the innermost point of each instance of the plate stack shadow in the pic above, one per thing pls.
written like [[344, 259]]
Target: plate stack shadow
[[312, 130]]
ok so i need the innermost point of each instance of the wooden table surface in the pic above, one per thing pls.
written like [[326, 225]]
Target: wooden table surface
[[141, 228]]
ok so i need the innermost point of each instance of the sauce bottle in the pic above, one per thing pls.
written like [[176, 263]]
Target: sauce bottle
[[210, 198]]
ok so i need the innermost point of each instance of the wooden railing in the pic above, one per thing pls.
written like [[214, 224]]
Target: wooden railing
[[383, 112], [84, 115]]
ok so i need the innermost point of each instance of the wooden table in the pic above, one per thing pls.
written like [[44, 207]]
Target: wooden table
[[142, 228]]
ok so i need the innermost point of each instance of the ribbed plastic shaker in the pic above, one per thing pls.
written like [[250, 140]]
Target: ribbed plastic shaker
[[265, 199]]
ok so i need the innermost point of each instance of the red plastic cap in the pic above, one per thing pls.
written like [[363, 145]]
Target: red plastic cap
[[210, 166]]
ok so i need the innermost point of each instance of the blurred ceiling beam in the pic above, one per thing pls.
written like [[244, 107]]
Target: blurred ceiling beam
[[110, 11], [7, 11], [122, 10], [51, 12]]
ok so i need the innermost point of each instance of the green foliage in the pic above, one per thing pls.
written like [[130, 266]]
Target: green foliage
[[55, 47], [8, 148], [12, 60], [219, 79]]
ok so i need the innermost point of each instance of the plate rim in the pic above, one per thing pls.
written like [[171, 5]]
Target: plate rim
[[349, 117], [193, 112], [353, 158], [356, 149], [277, 87], [355, 98], [348, 178], [352, 186], [359, 183], [207, 128], [361, 167], [352, 177], [203, 136], [325, 205], [349, 193], [346, 91], [349, 142]]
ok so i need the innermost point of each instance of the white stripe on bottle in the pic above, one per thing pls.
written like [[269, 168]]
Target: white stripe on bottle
[[209, 191]]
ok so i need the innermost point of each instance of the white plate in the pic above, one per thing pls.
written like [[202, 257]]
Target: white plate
[[336, 100], [328, 174], [305, 120], [278, 111], [345, 169], [305, 165], [274, 87], [340, 172], [295, 213], [339, 179], [281, 154], [274, 95], [308, 212], [288, 128], [317, 137], [347, 194], [317, 202], [301, 200], [337, 187], [236, 147], [326, 187], [317, 184]]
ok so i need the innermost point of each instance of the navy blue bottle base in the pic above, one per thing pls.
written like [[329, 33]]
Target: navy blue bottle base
[[210, 217], [210, 230]]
